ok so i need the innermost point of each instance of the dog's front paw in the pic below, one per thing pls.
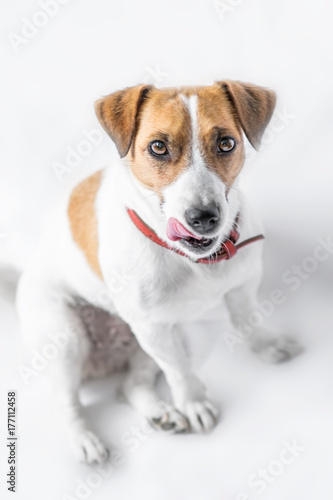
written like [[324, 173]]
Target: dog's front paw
[[202, 415], [191, 400], [166, 418], [277, 348], [88, 448]]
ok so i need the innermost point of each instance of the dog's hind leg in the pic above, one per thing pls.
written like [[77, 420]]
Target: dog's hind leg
[[67, 377], [46, 321], [139, 390], [86, 445]]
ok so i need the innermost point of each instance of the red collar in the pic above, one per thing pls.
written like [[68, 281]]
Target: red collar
[[227, 249]]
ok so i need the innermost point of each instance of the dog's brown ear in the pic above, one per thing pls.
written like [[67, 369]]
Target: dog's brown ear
[[118, 113], [254, 107]]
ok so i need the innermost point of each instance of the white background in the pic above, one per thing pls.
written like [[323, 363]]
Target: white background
[[89, 49]]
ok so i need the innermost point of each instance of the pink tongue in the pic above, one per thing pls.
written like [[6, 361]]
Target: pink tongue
[[176, 231]]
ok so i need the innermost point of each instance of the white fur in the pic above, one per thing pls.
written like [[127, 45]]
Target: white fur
[[154, 290], [198, 186]]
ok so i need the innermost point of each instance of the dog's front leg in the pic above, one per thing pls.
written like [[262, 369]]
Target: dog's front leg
[[267, 341], [164, 343]]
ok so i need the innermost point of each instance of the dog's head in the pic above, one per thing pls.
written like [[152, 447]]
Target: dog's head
[[186, 144]]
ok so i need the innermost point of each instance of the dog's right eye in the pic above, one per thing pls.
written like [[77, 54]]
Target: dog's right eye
[[226, 145], [158, 148]]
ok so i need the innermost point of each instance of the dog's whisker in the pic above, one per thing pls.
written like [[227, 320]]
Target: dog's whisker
[[235, 188], [148, 196]]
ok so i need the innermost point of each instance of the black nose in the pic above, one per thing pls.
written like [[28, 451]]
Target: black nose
[[204, 220]]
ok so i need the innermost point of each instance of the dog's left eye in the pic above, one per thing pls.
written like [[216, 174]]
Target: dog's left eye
[[226, 144], [158, 148]]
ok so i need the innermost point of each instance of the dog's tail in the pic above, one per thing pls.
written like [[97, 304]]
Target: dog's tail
[[9, 277]]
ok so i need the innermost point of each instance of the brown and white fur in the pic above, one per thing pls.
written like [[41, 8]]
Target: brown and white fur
[[94, 257]]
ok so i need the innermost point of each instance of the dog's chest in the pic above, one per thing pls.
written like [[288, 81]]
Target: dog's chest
[[175, 290]]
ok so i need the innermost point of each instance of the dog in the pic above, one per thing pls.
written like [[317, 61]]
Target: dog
[[139, 249]]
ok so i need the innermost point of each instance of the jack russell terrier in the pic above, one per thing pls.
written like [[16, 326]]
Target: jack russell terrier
[[142, 247]]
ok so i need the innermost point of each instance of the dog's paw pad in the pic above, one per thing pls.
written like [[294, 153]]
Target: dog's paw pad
[[202, 415], [277, 349], [170, 420], [89, 449]]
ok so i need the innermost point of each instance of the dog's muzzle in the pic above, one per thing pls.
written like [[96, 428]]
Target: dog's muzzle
[[203, 220]]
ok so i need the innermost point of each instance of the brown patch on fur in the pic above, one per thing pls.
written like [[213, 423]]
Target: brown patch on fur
[[217, 119], [117, 114], [163, 117], [254, 106], [224, 109], [136, 116], [83, 221]]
